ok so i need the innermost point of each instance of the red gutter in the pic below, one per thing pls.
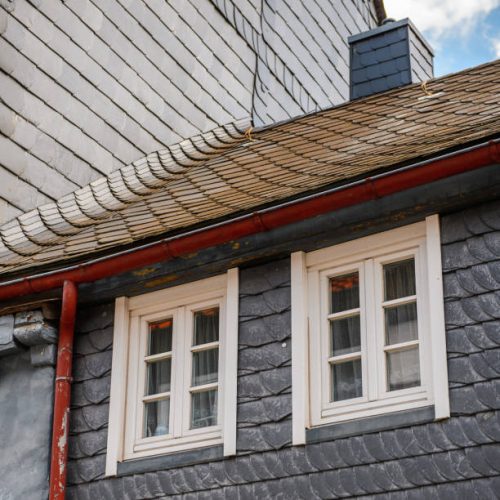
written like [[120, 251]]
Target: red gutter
[[263, 220], [62, 393]]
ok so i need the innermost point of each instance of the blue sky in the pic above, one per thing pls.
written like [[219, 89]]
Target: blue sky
[[463, 33]]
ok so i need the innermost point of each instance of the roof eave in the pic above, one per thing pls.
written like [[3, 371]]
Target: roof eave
[[363, 190]]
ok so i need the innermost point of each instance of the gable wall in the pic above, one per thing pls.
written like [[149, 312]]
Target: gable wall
[[87, 87], [457, 457]]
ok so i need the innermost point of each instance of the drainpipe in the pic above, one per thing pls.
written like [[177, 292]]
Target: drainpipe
[[62, 393]]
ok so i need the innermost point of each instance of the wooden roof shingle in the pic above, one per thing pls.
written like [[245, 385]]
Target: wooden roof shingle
[[226, 171]]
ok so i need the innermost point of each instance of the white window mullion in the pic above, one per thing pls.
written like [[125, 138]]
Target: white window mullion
[[317, 392], [378, 274], [141, 378], [424, 323], [229, 357], [178, 369], [324, 341], [371, 331]]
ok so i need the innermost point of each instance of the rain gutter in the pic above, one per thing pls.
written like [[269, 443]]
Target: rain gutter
[[354, 193]]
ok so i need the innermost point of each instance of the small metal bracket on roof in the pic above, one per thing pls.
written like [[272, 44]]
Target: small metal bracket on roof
[[425, 89], [248, 134], [428, 93]]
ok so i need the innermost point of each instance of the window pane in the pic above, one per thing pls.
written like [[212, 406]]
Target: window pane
[[160, 336], [345, 335], [203, 409], [206, 326], [156, 418], [403, 369], [205, 367], [399, 279], [346, 380], [344, 292], [401, 323], [158, 376]]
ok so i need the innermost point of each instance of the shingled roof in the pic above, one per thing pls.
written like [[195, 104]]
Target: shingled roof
[[231, 169]]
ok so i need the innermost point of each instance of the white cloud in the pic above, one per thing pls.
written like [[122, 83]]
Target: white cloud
[[439, 18], [496, 47]]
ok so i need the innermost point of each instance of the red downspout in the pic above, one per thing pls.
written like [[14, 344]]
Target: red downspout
[[62, 393]]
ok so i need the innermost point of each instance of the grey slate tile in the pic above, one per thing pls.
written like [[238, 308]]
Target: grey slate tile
[[259, 385], [445, 463], [166, 483], [460, 370], [325, 484], [86, 470], [346, 452], [381, 477], [251, 439], [375, 446], [92, 443], [265, 357], [423, 437], [99, 318], [395, 472], [92, 417], [261, 331], [92, 366], [258, 465], [271, 302]]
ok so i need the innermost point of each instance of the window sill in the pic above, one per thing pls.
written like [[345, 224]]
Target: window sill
[[173, 460], [367, 425]]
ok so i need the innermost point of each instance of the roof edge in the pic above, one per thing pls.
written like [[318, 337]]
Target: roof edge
[[28, 233], [371, 187]]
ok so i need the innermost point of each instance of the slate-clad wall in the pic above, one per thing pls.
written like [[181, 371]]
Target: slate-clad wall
[[26, 395], [27, 360], [459, 457], [302, 51], [87, 87]]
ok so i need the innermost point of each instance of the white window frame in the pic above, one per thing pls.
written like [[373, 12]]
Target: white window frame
[[132, 315], [310, 369]]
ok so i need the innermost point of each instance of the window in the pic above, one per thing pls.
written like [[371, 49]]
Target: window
[[370, 314], [174, 370]]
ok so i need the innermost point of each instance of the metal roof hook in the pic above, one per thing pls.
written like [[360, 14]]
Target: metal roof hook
[[427, 92], [248, 134]]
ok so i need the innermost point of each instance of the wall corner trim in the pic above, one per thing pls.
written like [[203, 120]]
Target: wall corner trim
[[300, 377]]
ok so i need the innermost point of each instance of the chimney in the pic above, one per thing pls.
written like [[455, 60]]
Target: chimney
[[390, 56]]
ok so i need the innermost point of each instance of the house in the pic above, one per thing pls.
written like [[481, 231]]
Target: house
[[302, 309]]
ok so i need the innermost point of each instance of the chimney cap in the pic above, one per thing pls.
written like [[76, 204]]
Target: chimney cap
[[388, 26]]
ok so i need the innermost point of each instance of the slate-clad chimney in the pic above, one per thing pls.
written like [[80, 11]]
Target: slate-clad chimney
[[390, 56]]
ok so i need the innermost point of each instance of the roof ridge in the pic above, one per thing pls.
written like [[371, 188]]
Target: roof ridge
[[41, 227]]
